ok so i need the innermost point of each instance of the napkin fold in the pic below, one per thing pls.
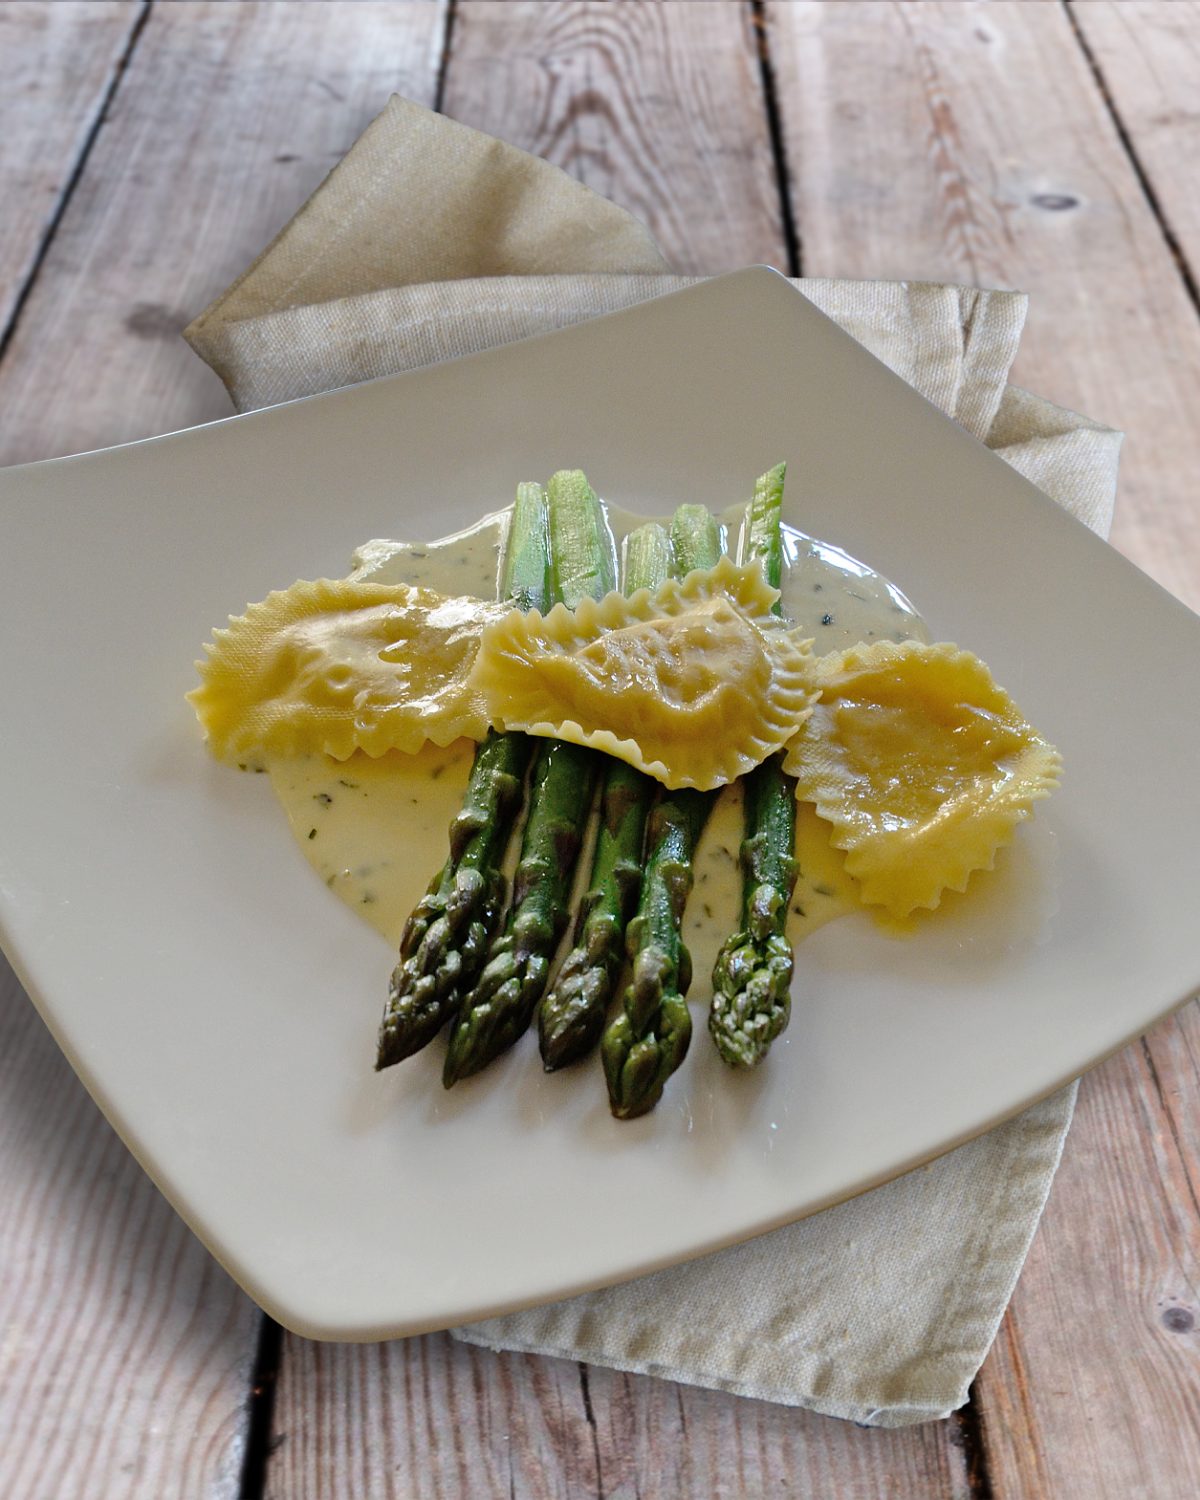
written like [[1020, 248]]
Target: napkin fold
[[430, 241]]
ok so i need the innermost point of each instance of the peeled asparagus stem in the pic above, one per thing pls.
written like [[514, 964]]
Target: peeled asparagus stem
[[500, 1006], [572, 1015], [752, 977], [446, 938], [648, 1041]]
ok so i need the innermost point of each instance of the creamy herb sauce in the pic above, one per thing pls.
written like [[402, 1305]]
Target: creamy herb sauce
[[375, 830]]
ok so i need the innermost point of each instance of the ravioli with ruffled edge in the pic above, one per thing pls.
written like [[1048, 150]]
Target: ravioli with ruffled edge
[[923, 766], [694, 684], [335, 666]]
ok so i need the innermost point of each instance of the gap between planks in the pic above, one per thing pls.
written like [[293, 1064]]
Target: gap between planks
[[71, 181], [1187, 276], [791, 235], [260, 1409]]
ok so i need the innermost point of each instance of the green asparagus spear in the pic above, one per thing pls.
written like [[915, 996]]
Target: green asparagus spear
[[648, 558], [753, 974], [695, 539], [571, 1016], [583, 559], [446, 938], [763, 538], [501, 1004], [645, 1044], [526, 572]]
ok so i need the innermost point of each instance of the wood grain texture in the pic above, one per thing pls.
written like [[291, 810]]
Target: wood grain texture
[[57, 63], [430, 1419], [658, 107], [228, 117], [970, 143], [1148, 55], [124, 1349], [1092, 1391]]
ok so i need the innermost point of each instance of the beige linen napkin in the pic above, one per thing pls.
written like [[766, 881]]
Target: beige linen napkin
[[430, 241]]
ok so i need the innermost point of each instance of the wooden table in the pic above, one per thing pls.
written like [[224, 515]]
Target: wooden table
[[148, 151]]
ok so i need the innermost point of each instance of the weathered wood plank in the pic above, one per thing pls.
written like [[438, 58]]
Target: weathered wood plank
[[658, 107], [1148, 54], [1092, 1391], [1024, 181], [116, 1323], [126, 1350], [970, 142], [431, 1419], [57, 63], [228, 117]]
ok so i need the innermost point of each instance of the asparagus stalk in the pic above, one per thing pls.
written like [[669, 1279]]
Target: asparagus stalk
[[645, 1044], [695, 539], [649, 559], [500, 1006], [571, 1016], [648, 1041], [526, 572], [446, 938], [753, 974]]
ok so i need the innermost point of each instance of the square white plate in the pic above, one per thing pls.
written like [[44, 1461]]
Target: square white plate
[[222, 1007]]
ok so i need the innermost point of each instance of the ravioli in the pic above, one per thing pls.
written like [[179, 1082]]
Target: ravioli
[[335, 666], [923, 765], [694, 684]]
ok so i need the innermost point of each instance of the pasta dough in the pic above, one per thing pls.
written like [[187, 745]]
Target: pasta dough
[[336, 666], [922, 764], [694, 684]]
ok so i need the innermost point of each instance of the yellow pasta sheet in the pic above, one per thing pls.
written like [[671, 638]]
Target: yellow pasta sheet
[[335, 666], [694, 684], [922, 764]]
